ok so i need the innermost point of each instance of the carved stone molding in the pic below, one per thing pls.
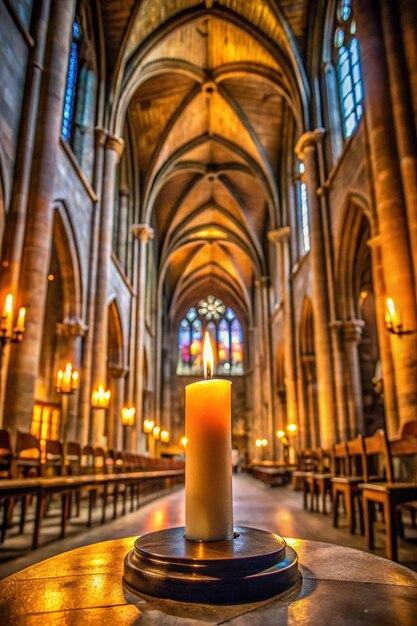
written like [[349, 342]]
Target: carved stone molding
[[143, 232], [308, 140], [71, 328], [116, 144], [280, 234]]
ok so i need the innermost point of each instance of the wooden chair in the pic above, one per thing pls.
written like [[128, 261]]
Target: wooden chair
[[346, 485], [321, 481], [72, 459], [390, 494], [307, 477], [6, 454], [54, 459]]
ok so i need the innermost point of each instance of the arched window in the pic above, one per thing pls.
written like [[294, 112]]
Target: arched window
[[71, 87], [303, 219], [226, 335], [348, 67]]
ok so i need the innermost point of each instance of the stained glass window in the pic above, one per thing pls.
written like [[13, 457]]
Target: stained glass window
[[348, 67], [225, 331], [304, 223], [71, 87]]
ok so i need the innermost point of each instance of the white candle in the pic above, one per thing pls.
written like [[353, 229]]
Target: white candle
[[208, 467]]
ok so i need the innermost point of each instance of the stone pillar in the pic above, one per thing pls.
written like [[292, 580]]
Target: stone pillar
[[114, 429], [403, 116], [112, 153], [408, 16], [389, 201], [352, 336], [83, 426], [262, 287], [25, 357], [389, 392], [306, 150], [281, 238], [71, 331], [143, 234], [123, 233]]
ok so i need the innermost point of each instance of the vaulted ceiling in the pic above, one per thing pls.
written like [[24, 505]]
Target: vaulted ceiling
[[206, 89]]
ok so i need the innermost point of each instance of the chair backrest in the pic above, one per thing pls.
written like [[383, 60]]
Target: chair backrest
[[99, 460], [27, 455], [325, 460], [6, 454], [404, 456], [72, 458], [377, 459], [87, 460], [355, 452], [340, 465], [409, 429], [109, 462], [54, 458]]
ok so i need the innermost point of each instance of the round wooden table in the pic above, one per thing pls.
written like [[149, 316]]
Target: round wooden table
[[340, 586]]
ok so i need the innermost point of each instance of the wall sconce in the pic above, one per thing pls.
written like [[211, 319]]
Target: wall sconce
[[100, 398], [261, 443], [8, 332], [393, 322], [67, 380], [164, 436], [128, 415], [156, 432], [148, 426]]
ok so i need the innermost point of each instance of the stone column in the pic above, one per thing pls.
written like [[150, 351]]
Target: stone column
[[262, 287], [408, 17], [114, 428], [389, 201], [123, 233], [143, 234], [403, 116], [389, 391], [352, 336], [72, 332], [83, 426], [281, 238], [306, 150], [25, 357], [112, 153]]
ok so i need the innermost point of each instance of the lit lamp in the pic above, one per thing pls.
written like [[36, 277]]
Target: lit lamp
[[128, 415], [393, 322], [184, 442], [148, 426], [8, 332], [67, 381], [100, 398], [156, 431], [164, 436]]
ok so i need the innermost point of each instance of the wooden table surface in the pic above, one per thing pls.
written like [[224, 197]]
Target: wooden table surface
[[340, 586]]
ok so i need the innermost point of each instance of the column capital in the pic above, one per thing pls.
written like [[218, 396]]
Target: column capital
[[262, 281], [71, 327], [100, 135], [374, 242], [308, 139], [279, 234], [117, 371], [124, 192], [352, 330], [143, 232], [116, 144]]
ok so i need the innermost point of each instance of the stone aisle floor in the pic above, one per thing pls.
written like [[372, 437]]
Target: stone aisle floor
[[276, 509]]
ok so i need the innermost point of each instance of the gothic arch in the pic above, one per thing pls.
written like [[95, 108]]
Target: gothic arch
[[115, 346], [64, 243]]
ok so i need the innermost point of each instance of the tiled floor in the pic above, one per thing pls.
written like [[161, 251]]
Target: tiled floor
[[278, 509]]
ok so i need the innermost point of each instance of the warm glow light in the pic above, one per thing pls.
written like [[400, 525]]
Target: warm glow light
[[67, 380], [292, 428], [258, 443], [264, 442], [164, 436], [51, 277], [184, 441], [208, 357], [280, 434], [391, 314], [20, 323], [156, 431], [148, 426], [100, 398], [364, 295], [128, 415], [6, 318]]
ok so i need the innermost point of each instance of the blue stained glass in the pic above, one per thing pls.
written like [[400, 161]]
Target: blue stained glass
[[230, 314], [344, 10], [70, 90], [237, 347], [192, 314]]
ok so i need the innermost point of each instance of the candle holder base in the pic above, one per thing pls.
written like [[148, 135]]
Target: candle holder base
[[253, 566]]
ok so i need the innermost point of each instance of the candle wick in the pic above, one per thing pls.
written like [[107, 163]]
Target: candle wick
[[209, 372]]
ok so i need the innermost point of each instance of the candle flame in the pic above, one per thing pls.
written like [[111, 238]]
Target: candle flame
[[391, 308], [208, 357], [8, 307]]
